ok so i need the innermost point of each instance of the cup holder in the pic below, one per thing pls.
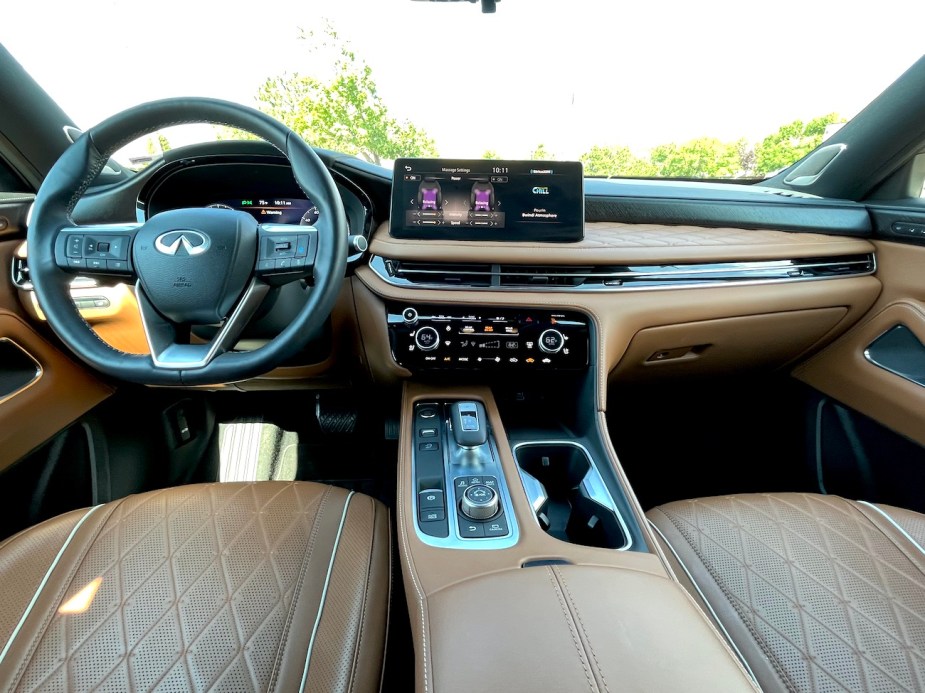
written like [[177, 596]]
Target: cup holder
[[568, 495]]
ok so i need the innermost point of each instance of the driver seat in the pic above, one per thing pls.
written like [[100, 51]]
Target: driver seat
[[227, 586]]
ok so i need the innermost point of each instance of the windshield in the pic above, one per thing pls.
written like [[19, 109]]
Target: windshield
[[710, 89]]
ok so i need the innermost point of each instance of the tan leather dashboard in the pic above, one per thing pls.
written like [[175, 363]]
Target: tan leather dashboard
[[617, 243], [706, 329]]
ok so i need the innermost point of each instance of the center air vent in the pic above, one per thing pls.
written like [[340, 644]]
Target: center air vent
[[441, 273], [615, 277]]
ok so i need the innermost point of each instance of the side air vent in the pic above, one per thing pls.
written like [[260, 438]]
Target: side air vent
[[615, 277], [20, 273]]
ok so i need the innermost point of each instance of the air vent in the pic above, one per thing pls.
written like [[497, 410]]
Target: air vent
[[615, 277], [441, 273], [20, 273], [544, 275]]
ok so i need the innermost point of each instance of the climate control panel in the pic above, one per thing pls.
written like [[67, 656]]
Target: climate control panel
[[432, 337]]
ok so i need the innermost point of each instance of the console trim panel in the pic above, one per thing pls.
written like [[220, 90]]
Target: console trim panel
[[493, 468]]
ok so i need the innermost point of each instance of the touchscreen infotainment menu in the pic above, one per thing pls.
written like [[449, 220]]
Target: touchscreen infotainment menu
[[487, 200]]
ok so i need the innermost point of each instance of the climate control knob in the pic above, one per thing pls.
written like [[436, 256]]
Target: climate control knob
[[552, 341], [427, 339], [479, 502]]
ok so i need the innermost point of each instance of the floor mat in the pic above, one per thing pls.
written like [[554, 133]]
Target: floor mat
[[253, 450]]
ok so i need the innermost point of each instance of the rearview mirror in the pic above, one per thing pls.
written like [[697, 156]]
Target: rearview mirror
[[488, 6]]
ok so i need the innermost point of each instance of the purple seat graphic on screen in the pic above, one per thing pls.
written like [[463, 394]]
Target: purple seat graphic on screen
[[482, 198], [429, 195], [429, 199]]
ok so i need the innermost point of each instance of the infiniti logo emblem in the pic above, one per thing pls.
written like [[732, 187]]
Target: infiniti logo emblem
[[182, 242]]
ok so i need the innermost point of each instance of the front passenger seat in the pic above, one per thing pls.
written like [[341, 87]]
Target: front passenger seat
[[229, 586], [816, 592]]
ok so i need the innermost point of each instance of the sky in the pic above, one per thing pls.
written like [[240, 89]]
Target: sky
[[568, 74]]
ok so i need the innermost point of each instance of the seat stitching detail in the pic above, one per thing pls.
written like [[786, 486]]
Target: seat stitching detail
[[404, 546], [324, 592], [755, 635], [20, 672], [900, 529], [731, 644], [38, 591], [297, 592], [361, 627], [895, 607], [577, 613], [388, 612], [571, 628]]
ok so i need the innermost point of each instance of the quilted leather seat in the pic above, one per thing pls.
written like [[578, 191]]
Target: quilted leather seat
[[235, 586], [817, 593]]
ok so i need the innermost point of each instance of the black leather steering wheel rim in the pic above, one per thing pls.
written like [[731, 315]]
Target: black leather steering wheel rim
[[73, 173]]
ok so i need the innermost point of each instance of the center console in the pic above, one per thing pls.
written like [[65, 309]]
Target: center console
[[522, 550]]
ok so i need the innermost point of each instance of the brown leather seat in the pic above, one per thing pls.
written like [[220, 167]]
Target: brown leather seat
[[817, 593], [234, 586]]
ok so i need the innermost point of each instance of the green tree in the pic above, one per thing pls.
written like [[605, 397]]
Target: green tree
[[791, 143], [541, 153], [344, 113], [163, 142], [490, 154], [704, 157], [616, 160]]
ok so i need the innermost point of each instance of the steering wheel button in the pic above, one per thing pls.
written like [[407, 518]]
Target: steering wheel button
[[266, 265], [284, 264], [76, 262], [117, 265], [75, 246], [301, 249], [118, 247], [96, 263]]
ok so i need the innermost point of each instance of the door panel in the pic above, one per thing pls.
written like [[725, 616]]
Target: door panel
[[845, 373], [41, 389], [61, 392]]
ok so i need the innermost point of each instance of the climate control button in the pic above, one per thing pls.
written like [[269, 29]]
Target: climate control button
[[427, 338], [551, 341]]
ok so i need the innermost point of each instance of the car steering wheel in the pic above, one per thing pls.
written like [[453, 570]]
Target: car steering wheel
[[190, 266]]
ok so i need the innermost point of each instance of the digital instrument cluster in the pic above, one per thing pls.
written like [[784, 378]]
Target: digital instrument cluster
[[274, 210]]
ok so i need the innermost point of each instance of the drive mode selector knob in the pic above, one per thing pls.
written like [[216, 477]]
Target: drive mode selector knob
[[551, 341], [427, 339], [479, 502]]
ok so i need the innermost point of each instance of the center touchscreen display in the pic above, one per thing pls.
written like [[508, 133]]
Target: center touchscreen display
[[487, 200]]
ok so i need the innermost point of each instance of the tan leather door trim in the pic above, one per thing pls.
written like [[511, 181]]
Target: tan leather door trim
[[64, 392], [842, 372]]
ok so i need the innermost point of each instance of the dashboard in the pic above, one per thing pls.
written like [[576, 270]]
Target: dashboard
[[666, 278]]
